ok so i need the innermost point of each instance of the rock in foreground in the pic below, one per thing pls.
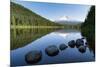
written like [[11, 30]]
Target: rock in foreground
[[79, 42], [33, 57], [52, 50], [62, 47], [71, 43], [82, 49]]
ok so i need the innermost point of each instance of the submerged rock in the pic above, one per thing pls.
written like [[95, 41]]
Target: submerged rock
[[33, 57], [62, 47], [71, 43], [79, 42], [52, 50], [82, 49]]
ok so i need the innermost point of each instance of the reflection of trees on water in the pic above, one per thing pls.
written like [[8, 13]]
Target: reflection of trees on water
[[21, 37]]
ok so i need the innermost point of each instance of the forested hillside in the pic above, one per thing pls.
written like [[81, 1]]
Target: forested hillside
[[23, 16]]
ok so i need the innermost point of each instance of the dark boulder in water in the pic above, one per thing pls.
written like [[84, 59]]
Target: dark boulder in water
[[83, 38], [79, 42], [52, 50], [82, 49], [62, 47], [71, 43], [33, 57], [86, 43]]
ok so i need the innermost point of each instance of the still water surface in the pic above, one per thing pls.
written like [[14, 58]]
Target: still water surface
[[53, 38]]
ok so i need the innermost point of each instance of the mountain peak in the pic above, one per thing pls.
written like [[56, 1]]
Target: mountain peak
[[64, 18]]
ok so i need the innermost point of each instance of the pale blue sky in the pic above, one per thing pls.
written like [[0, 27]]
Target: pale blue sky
[[54, 11]]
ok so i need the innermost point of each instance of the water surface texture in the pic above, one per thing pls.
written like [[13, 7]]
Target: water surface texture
[[47, 38]]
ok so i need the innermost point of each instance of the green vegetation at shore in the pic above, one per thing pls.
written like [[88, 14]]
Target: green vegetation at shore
[[88, 28]]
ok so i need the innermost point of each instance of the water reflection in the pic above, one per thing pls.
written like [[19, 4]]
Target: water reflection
[[21, 37], [55, 38]]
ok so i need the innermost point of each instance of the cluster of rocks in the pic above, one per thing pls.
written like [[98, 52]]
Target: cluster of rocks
[[79, 43], [35, 56]]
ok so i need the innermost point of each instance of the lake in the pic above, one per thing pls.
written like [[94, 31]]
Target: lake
[[26, 40]]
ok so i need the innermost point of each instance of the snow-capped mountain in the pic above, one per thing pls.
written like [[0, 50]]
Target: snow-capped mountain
[[67, 20], [64, 18]]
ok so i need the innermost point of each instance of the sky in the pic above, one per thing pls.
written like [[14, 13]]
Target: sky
[[54, 11]]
